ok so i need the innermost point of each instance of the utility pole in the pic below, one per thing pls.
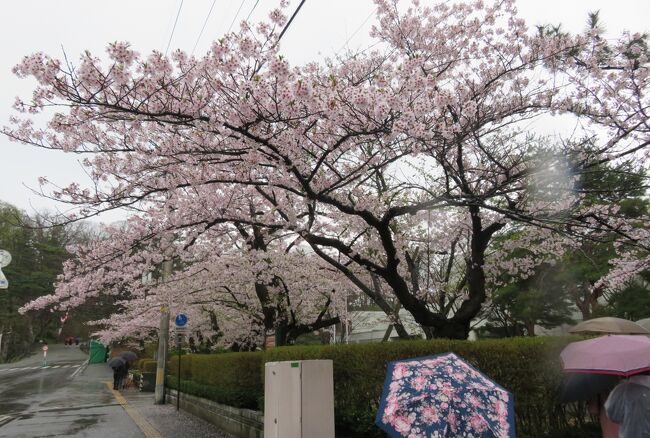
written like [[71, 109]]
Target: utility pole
[[163, 341]]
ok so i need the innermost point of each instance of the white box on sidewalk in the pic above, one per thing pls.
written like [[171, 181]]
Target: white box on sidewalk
[[299, 399]]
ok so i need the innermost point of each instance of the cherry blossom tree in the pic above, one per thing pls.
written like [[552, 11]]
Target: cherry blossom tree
[[352, 155], [237, 279]]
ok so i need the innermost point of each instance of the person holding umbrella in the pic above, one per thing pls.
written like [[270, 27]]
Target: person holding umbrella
[[626, 356], [118, 366], [596, 406], [629, 405], [128, 356]]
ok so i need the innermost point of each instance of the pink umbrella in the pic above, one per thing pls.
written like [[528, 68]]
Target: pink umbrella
[[622, 355]]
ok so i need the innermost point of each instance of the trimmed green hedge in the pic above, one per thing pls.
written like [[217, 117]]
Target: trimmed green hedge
[[147, 365], [528, 367], [234, 379]]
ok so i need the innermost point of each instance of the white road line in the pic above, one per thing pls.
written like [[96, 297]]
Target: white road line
[[80, 367], [43, 367]]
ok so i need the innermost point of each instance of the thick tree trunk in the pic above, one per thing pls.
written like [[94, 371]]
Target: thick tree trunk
[[434, 325], [458, 326], [281, 334], [582, 303], [452, 329], [530, 328], [294, 331], [269, 310], [374, 292], [586, 299]]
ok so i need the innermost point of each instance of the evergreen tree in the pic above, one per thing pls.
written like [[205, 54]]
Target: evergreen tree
[[38, 252], [547, 298]]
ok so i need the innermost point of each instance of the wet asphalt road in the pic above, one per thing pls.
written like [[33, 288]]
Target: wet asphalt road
[[45, 402]]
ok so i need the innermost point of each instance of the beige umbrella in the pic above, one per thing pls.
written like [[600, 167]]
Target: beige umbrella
[[609, 325], [645, 323]]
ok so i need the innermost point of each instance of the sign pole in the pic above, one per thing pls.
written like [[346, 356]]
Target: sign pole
[[178, 387], [181, 327]]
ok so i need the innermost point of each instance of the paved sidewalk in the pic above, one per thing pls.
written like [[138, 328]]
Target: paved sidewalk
[[153, 420], [166, 420]]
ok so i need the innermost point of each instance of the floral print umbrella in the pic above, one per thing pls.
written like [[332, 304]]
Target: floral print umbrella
[[443, 396]]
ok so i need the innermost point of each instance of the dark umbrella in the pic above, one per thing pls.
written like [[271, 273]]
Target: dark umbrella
[[128, 355], [585, 386], [443, 396], [116, 362]]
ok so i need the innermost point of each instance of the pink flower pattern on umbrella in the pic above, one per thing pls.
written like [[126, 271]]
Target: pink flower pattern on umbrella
[[443, 396]]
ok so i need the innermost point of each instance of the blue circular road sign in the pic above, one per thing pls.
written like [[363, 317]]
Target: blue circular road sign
[[181, 320]]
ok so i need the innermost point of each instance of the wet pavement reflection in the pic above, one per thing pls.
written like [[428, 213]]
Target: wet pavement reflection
[[45, 402]]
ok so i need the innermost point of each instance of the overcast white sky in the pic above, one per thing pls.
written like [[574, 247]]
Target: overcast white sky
[[321, 29]]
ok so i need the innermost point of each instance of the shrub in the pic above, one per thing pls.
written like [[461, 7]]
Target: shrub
[[147, 365], [150, 349], [528, 367], [233, 378]]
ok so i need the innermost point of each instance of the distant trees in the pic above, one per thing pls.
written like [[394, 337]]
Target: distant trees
[[38, 254], [631, 301], [538, 300], [557, 287]]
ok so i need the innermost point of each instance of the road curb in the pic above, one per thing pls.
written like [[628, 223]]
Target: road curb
[[145, 427]]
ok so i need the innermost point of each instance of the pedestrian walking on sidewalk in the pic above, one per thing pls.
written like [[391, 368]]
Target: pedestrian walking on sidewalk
[[118, 376], [125, 375]]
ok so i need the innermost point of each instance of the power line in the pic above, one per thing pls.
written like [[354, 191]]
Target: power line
[[174, 28], [241, 5], [289, 22], [251, 12], [356, 31], [204, 24], [286, 26]]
